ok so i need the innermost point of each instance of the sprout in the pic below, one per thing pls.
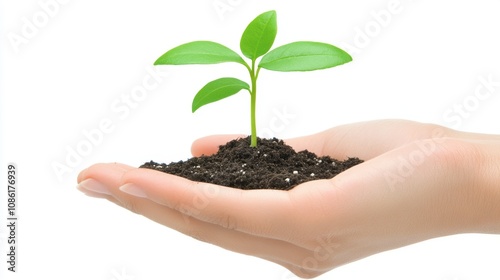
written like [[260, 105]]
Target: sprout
[[256, 42]]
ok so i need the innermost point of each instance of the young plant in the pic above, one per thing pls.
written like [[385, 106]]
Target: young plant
[[256, 41]]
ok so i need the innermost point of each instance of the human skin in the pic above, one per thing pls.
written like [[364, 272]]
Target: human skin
[[418, 181]]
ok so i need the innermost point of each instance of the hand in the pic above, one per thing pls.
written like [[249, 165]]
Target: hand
[[419, 181]]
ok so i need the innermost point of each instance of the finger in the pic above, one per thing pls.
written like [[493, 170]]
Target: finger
[[115, 170], [364, 140], [258, 212], [277, 251], [287, 216], [110, 177], [94, 181], [181, 221], [303, 261], [367, 140], [210, 144]]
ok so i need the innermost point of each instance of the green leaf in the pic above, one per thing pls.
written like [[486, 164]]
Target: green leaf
[[258, 37], [199, 52], [304, 56], [217, 90]]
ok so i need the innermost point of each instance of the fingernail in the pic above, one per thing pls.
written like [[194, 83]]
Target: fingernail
[[91, 193], [94, 186], [133, 190]]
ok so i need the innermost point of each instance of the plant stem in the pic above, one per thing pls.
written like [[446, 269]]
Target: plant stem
[[253, 99]]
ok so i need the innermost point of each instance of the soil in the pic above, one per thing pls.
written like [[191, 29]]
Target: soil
[[271, 165]]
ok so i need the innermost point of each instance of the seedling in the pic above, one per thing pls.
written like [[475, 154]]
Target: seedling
[[256, 41]]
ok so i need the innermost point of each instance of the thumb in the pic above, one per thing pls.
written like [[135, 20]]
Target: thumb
[[210, 144]]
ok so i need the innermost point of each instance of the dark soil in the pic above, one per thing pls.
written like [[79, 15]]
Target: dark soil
[[271, 165]]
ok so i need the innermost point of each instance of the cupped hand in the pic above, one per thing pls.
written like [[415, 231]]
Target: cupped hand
[[418, 181]]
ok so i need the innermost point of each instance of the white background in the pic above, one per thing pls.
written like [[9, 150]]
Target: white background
[[63, 76]]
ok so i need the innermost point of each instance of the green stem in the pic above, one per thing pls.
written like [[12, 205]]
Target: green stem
[[253, 99]]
